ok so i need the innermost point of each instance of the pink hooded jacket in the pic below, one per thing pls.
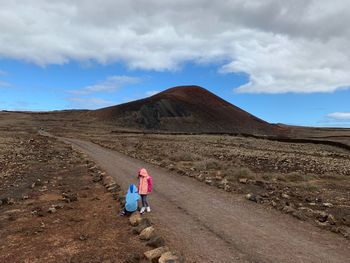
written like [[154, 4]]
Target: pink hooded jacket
[[145, 184]]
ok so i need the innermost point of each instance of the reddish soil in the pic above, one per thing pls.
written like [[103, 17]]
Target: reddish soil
[[34, 173]]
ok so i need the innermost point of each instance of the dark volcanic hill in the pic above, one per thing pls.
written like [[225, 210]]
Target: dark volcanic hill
[[185, 109]]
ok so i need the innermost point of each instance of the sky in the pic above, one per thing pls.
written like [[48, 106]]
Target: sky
[[283, 61]]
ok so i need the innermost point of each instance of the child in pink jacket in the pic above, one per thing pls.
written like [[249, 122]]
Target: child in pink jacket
[[145, 188]]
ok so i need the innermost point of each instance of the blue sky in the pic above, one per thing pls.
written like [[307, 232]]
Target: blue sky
[[57, 87], [283, 61]]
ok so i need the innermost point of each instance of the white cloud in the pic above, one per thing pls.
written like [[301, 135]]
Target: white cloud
[[339, 116], [3, 73], [110, 84], [284, 46], [88, 103]]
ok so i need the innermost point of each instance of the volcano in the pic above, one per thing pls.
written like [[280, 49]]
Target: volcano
[[187, 109]]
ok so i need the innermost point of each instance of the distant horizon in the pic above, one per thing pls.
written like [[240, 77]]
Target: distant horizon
[[72, 109], [255, 55]]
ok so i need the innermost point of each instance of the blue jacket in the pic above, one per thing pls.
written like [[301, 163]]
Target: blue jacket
[[131, 199]]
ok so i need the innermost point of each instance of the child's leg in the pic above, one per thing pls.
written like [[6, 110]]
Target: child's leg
[[148, 209], [145, 200]]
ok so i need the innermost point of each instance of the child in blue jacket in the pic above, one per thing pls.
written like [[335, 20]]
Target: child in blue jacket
[[131, 200]]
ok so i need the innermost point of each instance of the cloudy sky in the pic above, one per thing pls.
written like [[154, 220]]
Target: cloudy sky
[[284, 61]]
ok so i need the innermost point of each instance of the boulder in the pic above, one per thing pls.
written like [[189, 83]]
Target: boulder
[[154, 254], [113, 189], [147, 233], [97, 178], [156, 241], [135, 218], [170, 257], [143, 223]]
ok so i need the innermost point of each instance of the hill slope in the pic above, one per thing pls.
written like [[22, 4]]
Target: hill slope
[[185, 109]]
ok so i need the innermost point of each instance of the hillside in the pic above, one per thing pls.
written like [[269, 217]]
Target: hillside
[[185, 109]]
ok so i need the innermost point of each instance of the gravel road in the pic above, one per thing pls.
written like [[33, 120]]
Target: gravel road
[[209, 225]]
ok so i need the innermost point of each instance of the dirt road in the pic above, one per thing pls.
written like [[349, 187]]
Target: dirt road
[[210, 225]]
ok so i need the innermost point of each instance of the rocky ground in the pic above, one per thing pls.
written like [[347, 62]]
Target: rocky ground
[[51, 210], [308, 181]]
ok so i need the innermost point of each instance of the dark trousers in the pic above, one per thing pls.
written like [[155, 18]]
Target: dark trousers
[[144, 200]]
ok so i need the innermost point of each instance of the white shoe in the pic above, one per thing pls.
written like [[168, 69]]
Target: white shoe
[[148, 209], [142, 210]]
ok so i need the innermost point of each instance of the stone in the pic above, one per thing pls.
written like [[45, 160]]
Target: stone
[[52, 210], [170, 257], [208, 181], [346, 220], [156, 241], [284, 195], [133, 258], [200, 177], [331, 219], [227, 188], [243, 180], [83, 237], [58, 206], [113, 189], [254, 198], [43, 189], [70, 197], [321, 216], [97, 178], [154, 254], [135, 218], [288, 209], [143, 223], [300, 215], [147, 233], [345, 231]]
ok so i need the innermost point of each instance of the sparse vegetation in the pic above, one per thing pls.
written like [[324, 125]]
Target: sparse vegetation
[[276, 173]]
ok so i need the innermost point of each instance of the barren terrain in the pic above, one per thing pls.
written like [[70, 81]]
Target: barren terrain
[[209, 225], [308, 182], [52, 211]]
